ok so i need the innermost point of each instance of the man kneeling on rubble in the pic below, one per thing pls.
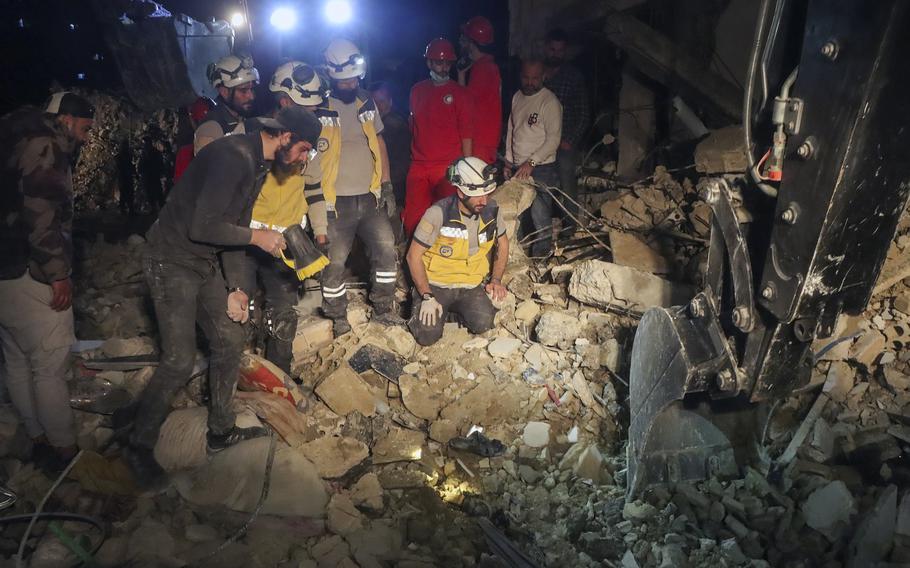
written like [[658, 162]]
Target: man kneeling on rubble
[[450, 255], [207, 215]]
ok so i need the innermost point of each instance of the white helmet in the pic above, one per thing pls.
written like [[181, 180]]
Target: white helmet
[[343, 60], [300, 82], [472, 176], [232, 70]]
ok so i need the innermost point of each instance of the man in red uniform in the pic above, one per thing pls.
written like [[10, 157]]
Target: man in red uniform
[[441, 131], [478, 72]]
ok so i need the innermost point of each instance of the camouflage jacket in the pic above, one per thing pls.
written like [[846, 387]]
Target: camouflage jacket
[[36, 197]]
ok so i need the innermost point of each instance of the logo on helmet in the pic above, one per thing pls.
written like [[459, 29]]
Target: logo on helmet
[[322, 144], [446, 251], [448, 99]]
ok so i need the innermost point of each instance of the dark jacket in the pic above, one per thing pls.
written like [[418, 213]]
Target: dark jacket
[[36, 197], [209, 210]]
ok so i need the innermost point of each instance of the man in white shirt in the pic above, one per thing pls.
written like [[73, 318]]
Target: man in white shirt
[[532, 139]]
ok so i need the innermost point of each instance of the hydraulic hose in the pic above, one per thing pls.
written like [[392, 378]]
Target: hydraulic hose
[[754, 57]]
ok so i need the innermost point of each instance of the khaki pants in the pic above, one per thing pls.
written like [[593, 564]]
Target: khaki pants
[[36, 343]]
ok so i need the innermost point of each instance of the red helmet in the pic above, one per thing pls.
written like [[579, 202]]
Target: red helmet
[[478, 29], [440, 48], [200, 108]]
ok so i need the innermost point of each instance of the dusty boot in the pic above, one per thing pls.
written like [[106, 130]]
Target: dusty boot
[[340, 327], [386, 315], [216, 442], [142, 463]]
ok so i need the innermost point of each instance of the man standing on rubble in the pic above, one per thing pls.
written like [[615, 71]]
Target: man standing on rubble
[[234, 77], [397, 136], [36, 260], [360, 199], [290, 195], [207, 217], [568, 84], [442, 130], [533, 135], [450, 255], [478, 71]]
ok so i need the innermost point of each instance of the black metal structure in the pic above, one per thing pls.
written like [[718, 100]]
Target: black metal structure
[[846, 181]]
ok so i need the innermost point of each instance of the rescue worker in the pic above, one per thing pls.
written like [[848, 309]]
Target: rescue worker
[[195, 268], [36, 259], [235, 78], [441, 131], [360, 199], [478, 71], [568, 84], [532, 138], [195, 115], [450, 255], [290, 195]]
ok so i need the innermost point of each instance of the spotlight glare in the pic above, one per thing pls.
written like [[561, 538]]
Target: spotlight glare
[[284, 18], [338, 11], [237, 19]]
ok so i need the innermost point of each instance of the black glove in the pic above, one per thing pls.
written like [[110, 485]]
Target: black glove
[[387, 199]]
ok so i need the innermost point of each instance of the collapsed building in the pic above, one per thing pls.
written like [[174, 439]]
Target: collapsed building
[[504, 449]]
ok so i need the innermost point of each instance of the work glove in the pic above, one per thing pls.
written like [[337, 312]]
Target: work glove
[[430, 311], [387, 200], [238, 306]]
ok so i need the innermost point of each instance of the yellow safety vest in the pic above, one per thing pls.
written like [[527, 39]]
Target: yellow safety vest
[[448, 261], [281, 205], [329, 144]]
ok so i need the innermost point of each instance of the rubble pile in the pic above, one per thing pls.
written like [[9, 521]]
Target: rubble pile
[[410, 456]]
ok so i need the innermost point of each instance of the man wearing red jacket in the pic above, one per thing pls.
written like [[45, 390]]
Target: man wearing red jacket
[[441, 131], [478, 72]]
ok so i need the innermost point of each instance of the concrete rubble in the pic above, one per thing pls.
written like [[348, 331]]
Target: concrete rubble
[[365, 475]]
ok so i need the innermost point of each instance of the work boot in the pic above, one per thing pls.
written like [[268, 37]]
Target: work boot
[[214, 443], [340, 327], [142, 463], [387, 316]]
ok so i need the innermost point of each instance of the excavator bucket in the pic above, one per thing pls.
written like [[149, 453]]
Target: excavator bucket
[[671, 438], [162, 57]]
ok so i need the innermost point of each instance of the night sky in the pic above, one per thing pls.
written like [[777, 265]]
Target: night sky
[[61, 41]]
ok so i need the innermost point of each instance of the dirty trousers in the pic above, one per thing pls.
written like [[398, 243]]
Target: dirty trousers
[[567, 162], [280, 284], [36, 343], [187, 291], [471, 304], [357, 215], [427, 184], [542, 209]]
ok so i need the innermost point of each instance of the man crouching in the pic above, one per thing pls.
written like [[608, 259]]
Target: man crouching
[[450, 255]]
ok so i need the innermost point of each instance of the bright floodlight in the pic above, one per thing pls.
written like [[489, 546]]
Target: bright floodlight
[[237, 19], [284, 18], [338, 11]]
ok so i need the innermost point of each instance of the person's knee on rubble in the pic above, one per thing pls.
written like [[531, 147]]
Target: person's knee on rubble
[[450, 255], [197, 274], [357, 187], [36, 315], [532, 139]]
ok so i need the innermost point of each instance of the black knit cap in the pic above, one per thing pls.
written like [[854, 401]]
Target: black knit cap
[[65, 102], [300, 122]]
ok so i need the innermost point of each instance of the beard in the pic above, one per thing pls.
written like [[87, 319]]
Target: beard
[[528, 91], [282, 167], [347, 96]]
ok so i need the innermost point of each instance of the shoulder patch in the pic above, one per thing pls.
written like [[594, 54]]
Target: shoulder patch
[[322, 144], [447, 99]]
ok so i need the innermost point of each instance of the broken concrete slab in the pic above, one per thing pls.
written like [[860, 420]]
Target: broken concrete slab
[[868, 348], [344, 391], [839, 381], [400, 444], [556, 328], [367, 493], [443, 430], [604, 284], [828, 509], [313, 333], [334, 456], [422, 400], [527, 311], [503, 347], [633, 251], [342, 517], [875, 534], [536, 434]]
